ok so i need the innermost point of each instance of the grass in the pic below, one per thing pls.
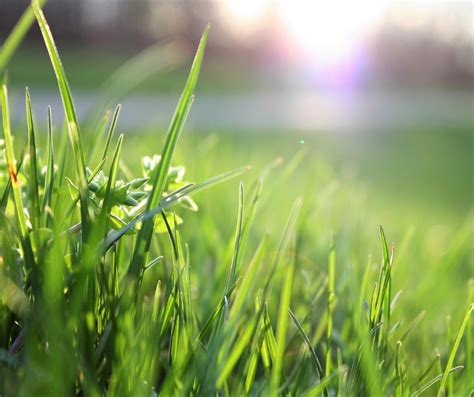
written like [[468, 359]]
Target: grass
[[112, 283]]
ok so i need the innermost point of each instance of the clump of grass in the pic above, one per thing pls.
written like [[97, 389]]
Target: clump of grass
[[98, 288]]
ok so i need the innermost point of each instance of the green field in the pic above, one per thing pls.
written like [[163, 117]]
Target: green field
[[281, 282]]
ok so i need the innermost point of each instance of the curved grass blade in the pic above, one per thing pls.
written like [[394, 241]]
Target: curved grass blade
[[168, 201], [435, 380], [72, 123], [317, 364], [161, 174], [454, 350]]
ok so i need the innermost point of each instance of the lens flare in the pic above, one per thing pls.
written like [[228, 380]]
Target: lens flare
[[329, 32]]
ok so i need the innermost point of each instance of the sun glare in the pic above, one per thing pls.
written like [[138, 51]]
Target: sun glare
[[247, 11], [328, 31]]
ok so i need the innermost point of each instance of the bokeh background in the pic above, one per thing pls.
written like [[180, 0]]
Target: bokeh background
[[379, 93]]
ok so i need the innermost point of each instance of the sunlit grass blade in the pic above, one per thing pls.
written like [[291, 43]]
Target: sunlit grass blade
[[235, 313], [246, 283], [400, 386], [49, 178], [17, 197], [381, 299], [33, 169], [285, 239], [282, 321], [238, 236], [69, 109], [469, 338], [107, 202], [113, 124], [330, 305], [240, 346], [452, 355], [161, 173]]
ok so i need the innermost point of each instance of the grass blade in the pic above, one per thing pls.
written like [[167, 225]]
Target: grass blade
[[330, 307], [282, 324], [107, 202], [49, 179], [161, 173], [452, 355], [113, 124], [435, 380], [33, 169], [17, 198], [20, 215], [238, 237], [317, 364], [72, 123], [170, 200]]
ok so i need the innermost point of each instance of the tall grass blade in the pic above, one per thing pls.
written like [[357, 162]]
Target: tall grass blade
[[72, 122], [33, 169], [330, 305], [107, 202], [282, 322], [17, 197], [238, 237], [49, 178], [113, 124], [314, 357], [452, 355], [159, 178]]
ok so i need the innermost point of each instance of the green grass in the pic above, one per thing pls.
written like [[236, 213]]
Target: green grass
[[112, 283]]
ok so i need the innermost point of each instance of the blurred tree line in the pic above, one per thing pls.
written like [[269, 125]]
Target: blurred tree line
[[398, 56]]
